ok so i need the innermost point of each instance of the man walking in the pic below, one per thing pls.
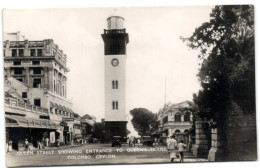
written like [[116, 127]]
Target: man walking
[[181, 149], [172, 146]]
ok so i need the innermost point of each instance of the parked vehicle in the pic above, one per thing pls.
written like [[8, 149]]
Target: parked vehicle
[[116, 141], [147, 141]]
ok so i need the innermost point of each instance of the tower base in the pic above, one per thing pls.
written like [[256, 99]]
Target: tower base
[[115, 128]]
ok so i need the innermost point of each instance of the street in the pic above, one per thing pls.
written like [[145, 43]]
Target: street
[[91, 154]]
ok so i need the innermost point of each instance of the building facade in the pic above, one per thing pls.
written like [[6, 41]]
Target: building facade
[[175, 118], [36, 89], [115, 40]]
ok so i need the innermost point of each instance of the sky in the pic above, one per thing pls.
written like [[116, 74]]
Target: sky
[[160, 67]]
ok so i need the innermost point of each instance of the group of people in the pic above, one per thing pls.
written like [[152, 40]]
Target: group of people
[[133, 141], [176, 149]]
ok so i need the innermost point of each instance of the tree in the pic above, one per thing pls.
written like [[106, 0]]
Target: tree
[[227, 72], [144, 121]]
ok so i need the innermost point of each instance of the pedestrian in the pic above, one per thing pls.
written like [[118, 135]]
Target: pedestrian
[[47, 142], [172, 146], [26, 144], [39, 144], [134, 141], [10, 146], [139, 142], [181, 149]]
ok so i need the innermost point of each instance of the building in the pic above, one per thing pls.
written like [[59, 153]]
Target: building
[[36, 76], [175, 118], [115, 40]]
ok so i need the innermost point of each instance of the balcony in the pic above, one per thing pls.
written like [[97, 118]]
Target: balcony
[[115, 31], [15, 105]]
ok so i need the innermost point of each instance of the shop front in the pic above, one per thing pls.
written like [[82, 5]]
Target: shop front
[[39, 132]]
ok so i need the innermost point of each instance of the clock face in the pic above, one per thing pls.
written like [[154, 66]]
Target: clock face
[[114, 62]]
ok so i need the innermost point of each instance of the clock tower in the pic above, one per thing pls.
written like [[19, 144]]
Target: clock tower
[[115, 40]]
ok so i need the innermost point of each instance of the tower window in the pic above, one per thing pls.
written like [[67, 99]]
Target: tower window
[[36, 82], [14, 53], [114, 84], [115, 105], [37, 102]]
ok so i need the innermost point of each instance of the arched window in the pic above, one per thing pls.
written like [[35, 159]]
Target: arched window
[[187, 117], [177, 131], [177, 117]]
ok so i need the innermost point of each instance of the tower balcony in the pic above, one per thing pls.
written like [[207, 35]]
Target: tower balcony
[[115, 31]]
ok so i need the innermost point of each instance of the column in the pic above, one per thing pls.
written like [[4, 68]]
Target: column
[[200, 148], [50, 78], [27, 76], [8, 72], [45, 76], [216, 152]]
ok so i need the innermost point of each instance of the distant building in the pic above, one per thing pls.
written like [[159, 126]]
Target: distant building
[[175, 118], [36, 83]]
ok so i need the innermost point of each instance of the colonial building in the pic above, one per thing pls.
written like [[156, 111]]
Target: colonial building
[[115, 40], [36, 73], [175, 118]]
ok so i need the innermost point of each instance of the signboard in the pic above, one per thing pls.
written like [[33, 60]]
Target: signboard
[[52, 137], [67, 119]]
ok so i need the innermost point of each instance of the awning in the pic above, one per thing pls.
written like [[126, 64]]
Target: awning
[[78, 136], [25, 122]]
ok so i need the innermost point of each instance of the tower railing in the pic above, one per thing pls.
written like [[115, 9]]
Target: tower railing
[[114, 31]]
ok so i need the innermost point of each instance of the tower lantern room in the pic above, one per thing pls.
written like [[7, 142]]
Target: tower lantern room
[[115, 36], [115, 23]]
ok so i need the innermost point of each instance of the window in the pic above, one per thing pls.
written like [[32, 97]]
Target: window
[[36, 71], [187, 117], [17, 63], [19, 79], [177, 117], [39, 52], [36, 62], [18, 71], [37, 102], [36, 82], [21, 54], [24, 95], [33, 52], [114, 84], [165, 119], [54, 84], [14, 53], [115, 105]]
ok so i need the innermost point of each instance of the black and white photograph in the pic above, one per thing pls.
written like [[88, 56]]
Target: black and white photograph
[[129, 85]]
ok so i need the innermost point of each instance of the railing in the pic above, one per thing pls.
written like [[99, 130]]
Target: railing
[[170, 123], [13, 103], [115, 31]]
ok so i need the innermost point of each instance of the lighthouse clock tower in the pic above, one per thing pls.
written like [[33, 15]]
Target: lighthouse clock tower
[[115, 40]]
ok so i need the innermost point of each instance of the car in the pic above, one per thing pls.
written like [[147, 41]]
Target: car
[[116, 141], [147, 141]]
